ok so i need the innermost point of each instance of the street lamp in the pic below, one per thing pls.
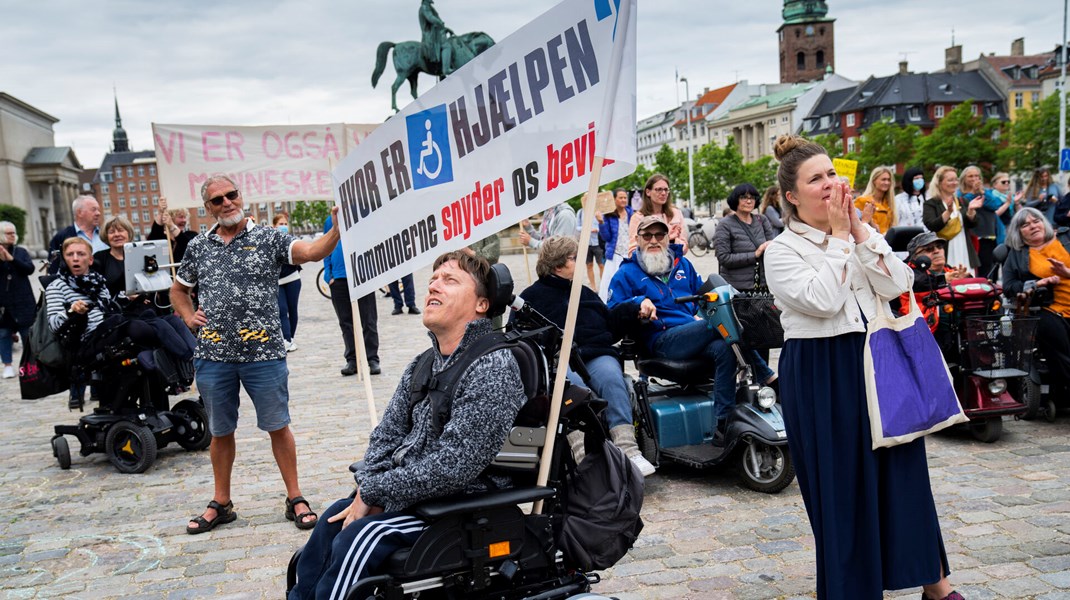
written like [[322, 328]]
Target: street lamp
[[690, 160]]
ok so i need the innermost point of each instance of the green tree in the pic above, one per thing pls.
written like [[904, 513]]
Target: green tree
[[884, 144], [832, 143], [960, 139], [1033, 138], [310, 215], [673, 164], [16, 216], [717, 171], [635, 181]]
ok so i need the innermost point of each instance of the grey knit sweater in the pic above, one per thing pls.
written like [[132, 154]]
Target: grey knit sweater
[[405, 463]]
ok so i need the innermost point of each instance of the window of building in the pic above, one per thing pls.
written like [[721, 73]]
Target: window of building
[[144, 201], [201, 213], [134, 217], [888, 113], [140, 171], [152, 170], [104, 188], [155, 200], [142, 186], [992, 110], [122, 202], [203, 228], [119, 173], [850, 119], [1034, 97], [107, 204], [106, 177], [820, 59], [784, 119], [938, 112], [130, 171], [119, 187], [771, 121], [154, 186], [973, 109], [851, 144], [824, 122], [914, 113], [145, 216], [1018, 100], [800, 61]]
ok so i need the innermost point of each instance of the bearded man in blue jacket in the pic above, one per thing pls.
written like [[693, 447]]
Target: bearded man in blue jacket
[[649, 281]]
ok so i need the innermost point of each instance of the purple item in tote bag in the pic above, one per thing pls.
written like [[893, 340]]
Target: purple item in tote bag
[[909, 390]]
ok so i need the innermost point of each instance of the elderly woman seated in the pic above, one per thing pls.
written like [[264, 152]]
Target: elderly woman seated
[[111, 263], [1040, 259], [597, 329], [82, 314]]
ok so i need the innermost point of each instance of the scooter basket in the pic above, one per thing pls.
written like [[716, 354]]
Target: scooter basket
[[1000, 346]]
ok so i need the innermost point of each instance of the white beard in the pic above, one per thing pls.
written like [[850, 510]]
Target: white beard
[[231, 221], [655, 264]]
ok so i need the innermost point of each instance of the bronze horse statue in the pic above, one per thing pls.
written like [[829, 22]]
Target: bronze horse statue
[[409, 60]]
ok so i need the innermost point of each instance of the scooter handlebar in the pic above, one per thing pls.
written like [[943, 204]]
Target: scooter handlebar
[[686, 299]]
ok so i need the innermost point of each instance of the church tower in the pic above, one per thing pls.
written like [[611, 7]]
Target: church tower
[[807, 48], [119, 142]]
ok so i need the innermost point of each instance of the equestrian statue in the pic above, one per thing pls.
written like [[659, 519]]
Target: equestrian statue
[[439, 53]]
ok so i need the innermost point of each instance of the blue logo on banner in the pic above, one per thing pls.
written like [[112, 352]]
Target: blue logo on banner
[[1064, 159], [608, 8], [429, 147]]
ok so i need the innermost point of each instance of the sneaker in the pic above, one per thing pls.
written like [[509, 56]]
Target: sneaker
[[349, 369], [644, 465], [397, 310], [9, 372], [291, 346], [413, 310]]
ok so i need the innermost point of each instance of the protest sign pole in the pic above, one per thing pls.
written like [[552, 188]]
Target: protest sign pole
[[362, 359], [569, 330], [527, 265]]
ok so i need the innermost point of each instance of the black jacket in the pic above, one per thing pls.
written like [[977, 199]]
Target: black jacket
[[178, 245], [16, 292], [1016, 267], [597, 327], [932, 216]]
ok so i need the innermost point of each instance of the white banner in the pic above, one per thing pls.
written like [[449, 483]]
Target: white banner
[[273, 163], [513, 132]]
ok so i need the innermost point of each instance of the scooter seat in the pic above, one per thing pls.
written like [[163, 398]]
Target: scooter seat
[[687, 371]]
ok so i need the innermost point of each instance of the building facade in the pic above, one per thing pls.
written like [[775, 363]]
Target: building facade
[[35, 175], [807, 41]]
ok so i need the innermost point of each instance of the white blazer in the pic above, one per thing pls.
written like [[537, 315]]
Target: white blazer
[[805, 271]]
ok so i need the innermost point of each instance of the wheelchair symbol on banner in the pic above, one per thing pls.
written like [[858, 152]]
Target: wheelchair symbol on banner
[[428, 148]]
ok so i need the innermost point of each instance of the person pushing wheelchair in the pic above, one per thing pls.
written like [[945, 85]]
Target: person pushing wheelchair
[[410, 458], [649, 281]]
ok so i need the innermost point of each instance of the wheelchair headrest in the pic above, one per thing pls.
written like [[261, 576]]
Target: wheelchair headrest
[[499, 290], [899, 237]]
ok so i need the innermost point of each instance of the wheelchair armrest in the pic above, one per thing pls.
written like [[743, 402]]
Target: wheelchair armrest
[[432, 510], [353, 468]]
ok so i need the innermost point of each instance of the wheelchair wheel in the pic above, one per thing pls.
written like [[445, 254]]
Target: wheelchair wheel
[[321, 285], [764, 468], [698, 244], [62, 451], [191, 432], [1031, 398], [988, 430], [130, 447], [1049, 411]]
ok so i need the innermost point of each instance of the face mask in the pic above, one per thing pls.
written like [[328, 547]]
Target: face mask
[[284, 228], [918, 184]]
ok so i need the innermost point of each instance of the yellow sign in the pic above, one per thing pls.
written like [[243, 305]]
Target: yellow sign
[[846, 168]]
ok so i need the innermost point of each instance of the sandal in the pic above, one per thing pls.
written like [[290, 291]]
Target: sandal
[[224, 513], [299, 519]]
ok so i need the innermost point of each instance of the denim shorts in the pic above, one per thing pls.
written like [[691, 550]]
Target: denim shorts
[[264, 381]]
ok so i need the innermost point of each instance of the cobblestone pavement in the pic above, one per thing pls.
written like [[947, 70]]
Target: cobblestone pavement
[[91, 532]]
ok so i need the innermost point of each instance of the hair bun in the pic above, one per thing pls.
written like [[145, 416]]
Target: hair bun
[[786, 143]]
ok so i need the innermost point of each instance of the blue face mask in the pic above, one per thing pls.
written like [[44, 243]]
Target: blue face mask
[[918, 184], [284, 228]]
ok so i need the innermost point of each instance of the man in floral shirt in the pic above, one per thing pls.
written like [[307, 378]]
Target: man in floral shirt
[[239, 338]]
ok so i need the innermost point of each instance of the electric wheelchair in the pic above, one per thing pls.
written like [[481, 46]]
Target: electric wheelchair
[[134, 417], [484, 545]]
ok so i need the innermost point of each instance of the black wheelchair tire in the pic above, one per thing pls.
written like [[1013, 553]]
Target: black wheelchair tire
[[197, 437], [62, 451], [1031, 398], [754, 480], [130, 447], [988, 430]]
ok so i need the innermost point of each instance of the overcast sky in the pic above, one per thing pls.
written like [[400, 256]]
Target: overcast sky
[[251, 62]]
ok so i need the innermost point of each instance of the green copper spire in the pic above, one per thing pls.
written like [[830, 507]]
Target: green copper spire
[[803, 11]]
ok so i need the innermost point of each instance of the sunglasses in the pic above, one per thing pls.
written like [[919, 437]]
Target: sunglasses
[[232, 195], [660, 190], [658, 235], [1003, 182]]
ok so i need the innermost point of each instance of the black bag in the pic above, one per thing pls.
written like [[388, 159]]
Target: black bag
[[600, 502], [46, 345], [36, 380], [759, 316]]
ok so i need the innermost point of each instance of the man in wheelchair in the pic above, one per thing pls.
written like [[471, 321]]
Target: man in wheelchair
[[94, 331], [422, 449]]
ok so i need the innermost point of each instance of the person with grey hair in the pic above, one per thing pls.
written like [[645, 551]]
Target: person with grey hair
[[111, 264], [1039, 258], [86, 225], [16, 303], [174, 220], [236, 266], [597, 330]]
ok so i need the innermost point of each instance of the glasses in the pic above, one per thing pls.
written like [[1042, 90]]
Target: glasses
[[748, 197], [1003, 182], [930, 248], [232, 195], [663, 190], [658, 235]]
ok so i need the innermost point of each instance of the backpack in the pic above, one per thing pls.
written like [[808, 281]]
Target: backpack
[[44, 344], [600, 504]]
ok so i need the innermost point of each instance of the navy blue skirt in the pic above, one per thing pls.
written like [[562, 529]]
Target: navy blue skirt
[[872, 511]]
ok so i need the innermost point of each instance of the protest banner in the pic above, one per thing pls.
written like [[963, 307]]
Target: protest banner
[[272, 163], [847, 169], [513, 132]]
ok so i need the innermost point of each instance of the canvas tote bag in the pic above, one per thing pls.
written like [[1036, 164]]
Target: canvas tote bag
[[909, 390]]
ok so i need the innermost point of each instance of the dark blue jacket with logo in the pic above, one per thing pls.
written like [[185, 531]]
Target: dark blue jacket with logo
[[631, 285]]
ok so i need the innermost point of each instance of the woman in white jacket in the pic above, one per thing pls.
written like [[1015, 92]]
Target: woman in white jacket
[[872, 511]]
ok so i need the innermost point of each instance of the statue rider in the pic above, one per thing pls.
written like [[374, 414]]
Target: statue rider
[[436, 46]]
